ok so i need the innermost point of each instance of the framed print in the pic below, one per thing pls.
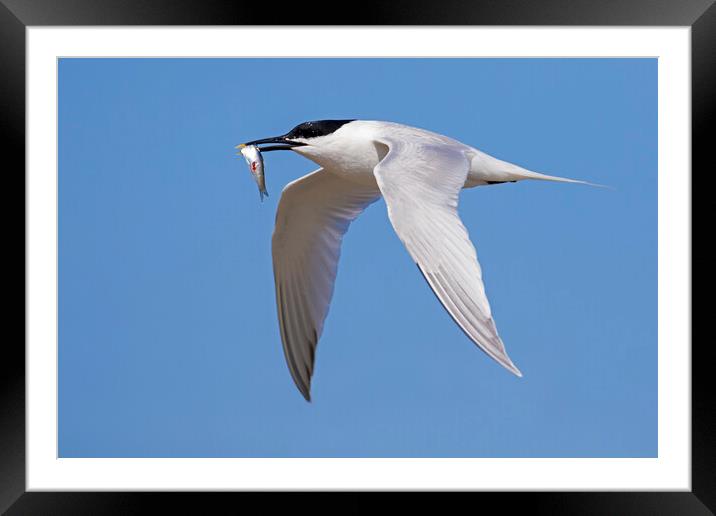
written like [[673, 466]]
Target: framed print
[[173, 315]]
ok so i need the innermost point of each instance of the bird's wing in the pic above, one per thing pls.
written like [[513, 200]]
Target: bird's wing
[[420, 183], [313, 215]]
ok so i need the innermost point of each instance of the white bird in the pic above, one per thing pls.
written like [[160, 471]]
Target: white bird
[[419, 174]]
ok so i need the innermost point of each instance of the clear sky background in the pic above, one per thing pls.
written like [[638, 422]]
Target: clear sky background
[[168, 336]]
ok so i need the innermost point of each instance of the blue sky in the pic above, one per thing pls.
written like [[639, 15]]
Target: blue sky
[[168, 336]]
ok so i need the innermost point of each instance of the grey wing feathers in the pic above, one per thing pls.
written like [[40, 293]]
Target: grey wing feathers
[[313, 215], [421, 183]]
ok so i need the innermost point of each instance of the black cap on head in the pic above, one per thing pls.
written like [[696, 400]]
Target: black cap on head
[[316, 128], [304, 130]]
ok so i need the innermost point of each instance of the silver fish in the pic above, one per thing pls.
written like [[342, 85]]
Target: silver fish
[[252, 155]]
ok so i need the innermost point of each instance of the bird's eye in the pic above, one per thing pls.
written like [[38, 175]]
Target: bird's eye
[[316, 128], [305, 130]]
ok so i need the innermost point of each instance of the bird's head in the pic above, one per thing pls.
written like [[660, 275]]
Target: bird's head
[[317, 140]]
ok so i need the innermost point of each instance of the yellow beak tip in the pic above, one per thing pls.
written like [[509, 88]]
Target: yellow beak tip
[[240, 146]]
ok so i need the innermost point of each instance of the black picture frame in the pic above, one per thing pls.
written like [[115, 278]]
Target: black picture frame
[[16, 15]]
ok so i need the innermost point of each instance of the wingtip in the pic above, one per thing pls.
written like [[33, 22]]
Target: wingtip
[[305, 391], [513, 369]]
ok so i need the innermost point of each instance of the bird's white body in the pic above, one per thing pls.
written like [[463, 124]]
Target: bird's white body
[[419, 174], [354, 150]]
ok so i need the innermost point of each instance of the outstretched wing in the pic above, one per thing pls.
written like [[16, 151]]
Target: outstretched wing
[[313, 215], [420, 183]]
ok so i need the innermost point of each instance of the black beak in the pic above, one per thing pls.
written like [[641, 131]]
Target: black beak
[[284, 144]]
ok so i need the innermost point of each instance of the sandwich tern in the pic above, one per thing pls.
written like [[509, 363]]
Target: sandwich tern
[[419, 174]]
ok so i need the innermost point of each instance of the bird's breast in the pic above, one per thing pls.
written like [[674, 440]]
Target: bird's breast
[[354, 162]]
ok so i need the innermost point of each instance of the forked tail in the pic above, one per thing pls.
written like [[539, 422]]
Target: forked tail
[[486, 168], [528, 174]]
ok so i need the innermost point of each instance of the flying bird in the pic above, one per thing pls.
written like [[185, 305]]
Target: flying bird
[[419, 174]]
